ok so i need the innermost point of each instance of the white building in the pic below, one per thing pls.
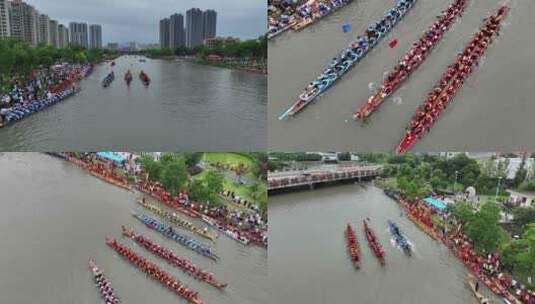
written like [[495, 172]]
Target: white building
[[95, 36], [63, 36], [78, 34], [24, 22], [44, 29], [53, 33], [5, 27]]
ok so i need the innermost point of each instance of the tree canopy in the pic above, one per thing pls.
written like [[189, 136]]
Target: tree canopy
[[484, 229], [18, 58], [256, 48], [520, 254], [207, 188], [174, 176]]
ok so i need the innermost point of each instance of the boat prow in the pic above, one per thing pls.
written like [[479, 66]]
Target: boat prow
[[353, 246], [406, 143], [299, 105], [471, 281], [373, 102], [92, 264]]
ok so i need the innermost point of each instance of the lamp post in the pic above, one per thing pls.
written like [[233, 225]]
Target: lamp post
[[498, 188], [455, 183]]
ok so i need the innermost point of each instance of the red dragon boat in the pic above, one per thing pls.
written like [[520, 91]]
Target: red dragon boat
[[374, 243], [155, 272], [128, 77], [144, 78], [111, 180], [158, 193], [353, 246], [413, 58], [173, 259], [444, 91], [106, 291]]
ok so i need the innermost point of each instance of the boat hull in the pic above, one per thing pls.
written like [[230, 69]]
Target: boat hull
[[363, 45]]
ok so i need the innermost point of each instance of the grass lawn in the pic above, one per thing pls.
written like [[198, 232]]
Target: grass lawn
[[243, 191], [230, 158]]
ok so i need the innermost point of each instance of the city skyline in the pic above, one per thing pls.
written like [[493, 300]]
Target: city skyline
[[21, 20], [140, 21], [191, 31]]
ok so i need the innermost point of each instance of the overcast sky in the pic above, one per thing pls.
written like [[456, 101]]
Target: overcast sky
[[138, 20]]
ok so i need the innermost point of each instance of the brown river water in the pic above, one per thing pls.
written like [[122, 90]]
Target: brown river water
[[494, 103], [188, 107], [55, 216], [309, 263]]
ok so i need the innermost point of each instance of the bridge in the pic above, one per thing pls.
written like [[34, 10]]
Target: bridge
[[324, 174]]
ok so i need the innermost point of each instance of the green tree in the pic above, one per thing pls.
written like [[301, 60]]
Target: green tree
[[463, 211], [345, 156], [174, 175], [192, 159], [207, 188], [523, 216], [214, 182], [520, 255], [521, 174], [261, 165], [413, 189], [484, 229], [151, 167], [438, 180], [502, 168], [199, 192]]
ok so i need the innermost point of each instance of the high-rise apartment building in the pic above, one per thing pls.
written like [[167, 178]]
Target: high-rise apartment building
[[198, 26], [63, 36], [24, 22], [194, 27], [53, 33], [176, 31], [165, 39], [5, 27], [78, 34], [95, 36], [44, 29], [209, 24]]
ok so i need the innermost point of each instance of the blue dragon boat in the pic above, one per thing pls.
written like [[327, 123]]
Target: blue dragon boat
[[169, 232], [350, 56], [108, 80], [20, 111], [400, 239]]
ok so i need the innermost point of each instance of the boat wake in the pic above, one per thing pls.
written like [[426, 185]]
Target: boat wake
[[398, 247], [397, 100]]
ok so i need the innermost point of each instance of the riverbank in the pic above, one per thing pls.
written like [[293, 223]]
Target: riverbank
[[201, 102], [31, 96], [259, 69], [63, 216], [240, 226], [307, 241], [233, 64], [283, 16], [448, 231]]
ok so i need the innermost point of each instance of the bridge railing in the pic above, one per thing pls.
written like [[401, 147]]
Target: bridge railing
[[278, 181]]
